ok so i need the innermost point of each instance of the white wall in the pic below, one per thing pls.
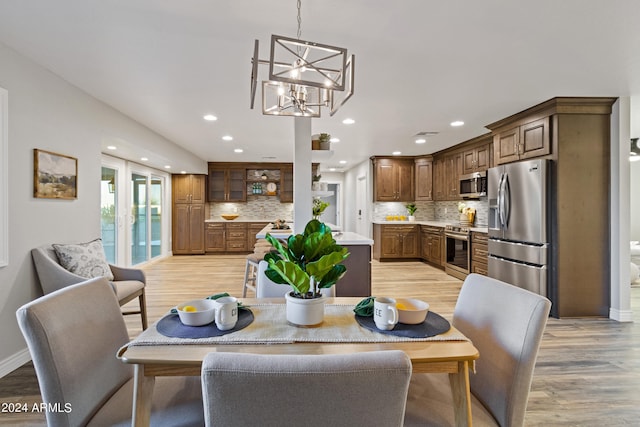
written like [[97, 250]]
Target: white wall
[[349, 189], [46, 112], [634, 178]]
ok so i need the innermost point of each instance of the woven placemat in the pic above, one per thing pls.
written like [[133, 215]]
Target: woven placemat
[[171, 326], [433, 325]]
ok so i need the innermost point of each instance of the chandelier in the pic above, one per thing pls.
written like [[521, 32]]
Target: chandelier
[[304, 76]]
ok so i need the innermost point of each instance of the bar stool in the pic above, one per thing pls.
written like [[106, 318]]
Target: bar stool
[[261, 247]]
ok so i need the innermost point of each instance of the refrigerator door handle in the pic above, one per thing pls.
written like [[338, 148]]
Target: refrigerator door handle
[[506, 200], [501, 200]]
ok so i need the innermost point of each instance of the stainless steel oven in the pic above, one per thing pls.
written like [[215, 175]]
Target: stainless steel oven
[[458, 253]]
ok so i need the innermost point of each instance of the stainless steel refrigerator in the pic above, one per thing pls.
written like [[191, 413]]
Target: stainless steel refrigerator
[[519, 224]]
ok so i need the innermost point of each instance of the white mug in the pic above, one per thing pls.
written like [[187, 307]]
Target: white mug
[[226, 313], [385, 313]]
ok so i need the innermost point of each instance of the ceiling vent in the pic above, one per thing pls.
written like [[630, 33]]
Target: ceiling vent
[[426, 133]]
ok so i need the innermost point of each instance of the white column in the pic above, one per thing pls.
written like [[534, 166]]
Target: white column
[[620, 308], [302, 173]]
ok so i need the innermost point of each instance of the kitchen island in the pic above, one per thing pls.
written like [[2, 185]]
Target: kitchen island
[[357, 280]]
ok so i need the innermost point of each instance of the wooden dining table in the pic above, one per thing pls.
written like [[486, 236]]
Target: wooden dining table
[[455, 357]]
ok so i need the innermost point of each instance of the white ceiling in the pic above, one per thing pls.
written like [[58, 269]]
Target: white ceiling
[[420, 64]]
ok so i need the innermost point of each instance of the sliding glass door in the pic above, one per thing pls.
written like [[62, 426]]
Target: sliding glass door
[[133, 199]]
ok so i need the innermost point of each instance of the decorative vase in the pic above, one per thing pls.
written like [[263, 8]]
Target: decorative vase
[[412, 218], [315, 186], [304, 311], [324, 186]]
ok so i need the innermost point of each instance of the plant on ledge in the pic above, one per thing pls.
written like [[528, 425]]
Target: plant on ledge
[[319, 206], [411, 208], [308, 262]]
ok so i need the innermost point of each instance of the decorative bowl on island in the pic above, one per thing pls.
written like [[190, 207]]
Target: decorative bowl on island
[[411, 311], [197, 312], [230, 217]]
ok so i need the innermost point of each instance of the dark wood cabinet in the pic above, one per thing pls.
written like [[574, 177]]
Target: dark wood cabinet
[[187, 227], [227, 184], [432, 243], [528, 140], [479, 253], [395, 241], [439, 184], [393, 180], [424, 179], [476, 159], [215, 237], [453, 170], [286, 184]]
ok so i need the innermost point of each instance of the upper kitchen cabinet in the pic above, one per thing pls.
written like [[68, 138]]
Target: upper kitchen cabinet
[[286, 184], [393, 179], [227, 183], [189, 188], [424, 178], [526, 140], [452, 170], [477, 158], [439, 184]]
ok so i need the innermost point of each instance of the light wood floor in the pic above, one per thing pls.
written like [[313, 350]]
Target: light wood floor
[[587, 373]]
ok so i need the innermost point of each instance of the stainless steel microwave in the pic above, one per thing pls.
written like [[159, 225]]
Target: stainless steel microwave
[[473, 185]]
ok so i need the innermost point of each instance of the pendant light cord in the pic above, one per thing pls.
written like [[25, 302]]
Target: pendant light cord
[[299, 19]]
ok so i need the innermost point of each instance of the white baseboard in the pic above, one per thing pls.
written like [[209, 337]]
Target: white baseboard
[[621, 315], [12, 363]]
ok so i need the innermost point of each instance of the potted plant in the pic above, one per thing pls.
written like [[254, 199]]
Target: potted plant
[[411, 209], [318, 207], [307, 263], [315, 182], [321, 141]]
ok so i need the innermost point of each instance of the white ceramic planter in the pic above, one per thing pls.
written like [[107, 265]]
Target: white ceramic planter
[[412, 218], [305, 312]]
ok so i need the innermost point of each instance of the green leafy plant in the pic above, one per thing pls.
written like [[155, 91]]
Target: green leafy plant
[[307, 262], [411, 208], [316, 178], [318, 207], [324, 137]]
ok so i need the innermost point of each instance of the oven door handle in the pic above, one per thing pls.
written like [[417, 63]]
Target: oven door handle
[[457, 237]]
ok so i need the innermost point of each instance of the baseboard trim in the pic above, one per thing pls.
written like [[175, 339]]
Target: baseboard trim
[[12, 363], [621, 315]]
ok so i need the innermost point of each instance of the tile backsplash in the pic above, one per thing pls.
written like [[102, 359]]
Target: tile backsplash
[[256, 208], [433, 211]]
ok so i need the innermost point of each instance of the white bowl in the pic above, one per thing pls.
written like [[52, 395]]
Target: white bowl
[[205, 312], [411, 311]]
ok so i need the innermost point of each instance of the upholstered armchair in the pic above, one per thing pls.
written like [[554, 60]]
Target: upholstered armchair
[[127, 283]]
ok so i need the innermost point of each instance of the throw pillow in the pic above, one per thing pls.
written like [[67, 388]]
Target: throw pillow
[[84, 259]]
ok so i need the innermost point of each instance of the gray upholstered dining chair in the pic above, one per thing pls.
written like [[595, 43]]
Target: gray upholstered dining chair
[[128, 283], [335, 390], [506, 324], [73, 335]]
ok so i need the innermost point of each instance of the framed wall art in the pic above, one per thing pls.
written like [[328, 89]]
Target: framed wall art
[[55, 175]]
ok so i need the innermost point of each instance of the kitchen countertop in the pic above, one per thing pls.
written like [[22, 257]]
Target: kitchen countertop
[[342, 238], [442, 224], [237, 220]]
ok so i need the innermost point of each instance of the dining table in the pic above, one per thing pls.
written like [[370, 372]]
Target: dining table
[[154, 354]]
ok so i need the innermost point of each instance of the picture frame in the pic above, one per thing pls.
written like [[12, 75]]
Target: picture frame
[[55, 175]]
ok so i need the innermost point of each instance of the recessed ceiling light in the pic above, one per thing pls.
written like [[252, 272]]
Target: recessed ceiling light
[[210, 118], [238, 150], [111, 147], [397, 153], [144, 159], [457, 123], [227, 138], [421, 141], [334, 140], [348, 121], [343, 162], [167, 167], [183, 172], [332, 169]]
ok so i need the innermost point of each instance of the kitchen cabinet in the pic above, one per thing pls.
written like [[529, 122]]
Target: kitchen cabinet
[[395, 241], [236, 237], [525, 141], [286, 184], [215, 237], [188, 213], [432, 244], [453, 170], [476, 159], [439, 184], [424, 179], [479, 253], [252, 229], [227, 183], [393, 179]]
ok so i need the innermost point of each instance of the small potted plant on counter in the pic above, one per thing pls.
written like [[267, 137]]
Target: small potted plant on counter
[[411, 210], [318, 207], [307, 263]]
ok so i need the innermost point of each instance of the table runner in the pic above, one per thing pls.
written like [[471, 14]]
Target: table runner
[[270, 327]]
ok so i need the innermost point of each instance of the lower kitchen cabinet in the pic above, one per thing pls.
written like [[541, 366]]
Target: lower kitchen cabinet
[[432, 244], [214, 237], [479, 253], [395, 241], [188, 232], [252, 229], [357, 280], [236, 237], [232, 237]]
